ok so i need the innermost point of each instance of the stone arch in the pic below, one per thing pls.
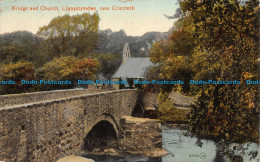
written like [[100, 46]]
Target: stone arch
[[138, 110], [105, 117], [102, 133]]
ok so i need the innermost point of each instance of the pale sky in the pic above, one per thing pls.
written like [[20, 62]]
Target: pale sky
[[147, 16]]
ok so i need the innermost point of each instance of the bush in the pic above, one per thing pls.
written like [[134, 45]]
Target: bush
[[167, 111], [229, 112], [68, 69], [17, 72], [86, 69]]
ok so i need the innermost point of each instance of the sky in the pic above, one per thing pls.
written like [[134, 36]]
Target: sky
[[148, 15]]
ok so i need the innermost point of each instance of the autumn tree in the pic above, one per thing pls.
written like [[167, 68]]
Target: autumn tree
[[68, 68], [173, 61], [173, 57], [227, 34], [17, 72], [72, 35], [60, 68], [86, 69], [216, 40]]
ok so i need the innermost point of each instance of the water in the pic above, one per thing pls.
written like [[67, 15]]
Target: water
[[188, 149], [123, 158], [183, 148]]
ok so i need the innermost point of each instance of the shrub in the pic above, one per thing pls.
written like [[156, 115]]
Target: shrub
[[17, 72]]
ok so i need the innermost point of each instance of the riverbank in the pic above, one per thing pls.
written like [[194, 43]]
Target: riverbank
[[182, 147]]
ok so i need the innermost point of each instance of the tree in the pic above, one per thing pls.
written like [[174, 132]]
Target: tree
[[227, 33], [117, 41], [15, 73], [86, 69], [109, 63], [60, 68], [21, 46], [217, 40], [174, 56], [72, 35], [68, 69]]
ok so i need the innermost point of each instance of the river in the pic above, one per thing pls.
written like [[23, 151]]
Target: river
[[184, 148]]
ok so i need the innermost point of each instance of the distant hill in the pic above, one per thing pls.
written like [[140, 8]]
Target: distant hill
[[24, 45], [18, 37]]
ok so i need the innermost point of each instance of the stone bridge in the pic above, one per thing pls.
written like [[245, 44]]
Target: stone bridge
[[46, 126]]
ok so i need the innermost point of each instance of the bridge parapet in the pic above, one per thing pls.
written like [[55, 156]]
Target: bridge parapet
[[24, 98]]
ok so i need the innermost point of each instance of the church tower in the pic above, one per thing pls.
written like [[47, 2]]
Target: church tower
[[126, 52]]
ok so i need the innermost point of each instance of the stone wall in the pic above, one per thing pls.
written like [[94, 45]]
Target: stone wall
[[16, 99], [150, 99], [50, 130], [139, 135]]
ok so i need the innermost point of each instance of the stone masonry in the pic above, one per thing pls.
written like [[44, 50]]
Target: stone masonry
[[18, 99], [139, 135], [49, 130]]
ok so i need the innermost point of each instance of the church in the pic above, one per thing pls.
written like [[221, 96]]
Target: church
[[132, 68]]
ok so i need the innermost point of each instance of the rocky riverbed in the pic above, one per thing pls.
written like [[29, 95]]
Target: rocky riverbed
[[181, 148]]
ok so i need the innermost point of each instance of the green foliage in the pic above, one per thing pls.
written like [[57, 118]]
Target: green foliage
[[167, 111], [17, 72], [216, 40], [69, 68], [109, 63], [159, 51], [229, 112], [21, 46], [226, 115], [60, 68], [166, 106], [113, 42], [174, 58], [72, 35]]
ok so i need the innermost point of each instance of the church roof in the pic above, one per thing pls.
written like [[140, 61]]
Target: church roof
[[133, 67]]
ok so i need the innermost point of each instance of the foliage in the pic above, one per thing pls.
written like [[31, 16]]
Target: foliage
[[60, 68], [17, 72], [228, 111], [153, 72], [113, 42], [69, 68], [109, 63], [21, 46], [226, 115], [72, 35], [174, 57], [217, 40], [86, 69], [167, 111]]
